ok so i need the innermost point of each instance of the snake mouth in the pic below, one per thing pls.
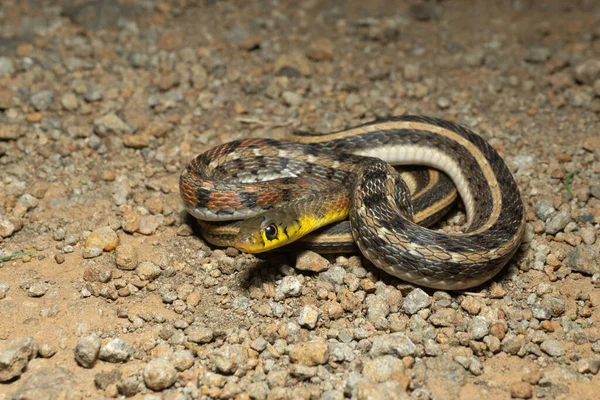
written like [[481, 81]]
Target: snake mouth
[[251, 237], [249, 240]]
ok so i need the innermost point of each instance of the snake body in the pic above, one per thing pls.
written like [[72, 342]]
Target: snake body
[[214, 187], [432, 194]]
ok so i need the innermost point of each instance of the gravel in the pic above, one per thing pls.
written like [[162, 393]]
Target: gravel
[[310, 353], [87, 350], [308, 317], [199, 334], [553, 348], [310, 261], [397, 344], [37, 289], [103, 105], [7, 228], [15, 354], [479, 328], [115, 351], [148, 271], [416, 300], [290, 286], [126, 257], [42, 100], [7, 66], [159, 374], [557, 222]]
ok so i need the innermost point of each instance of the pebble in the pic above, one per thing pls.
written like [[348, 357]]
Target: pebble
[[7, 228], [561, 80], [116, 351], [302, 372], [492, 343], [557, 222], [91, 252], [543, 209], [377, 312], [87, 350], [290, 286], [512, 344], [309, 316], [169, 297], [69, 101], [412, 72], [553, 348], [258, 390], [93, 94], [111, 123], [102, 238], [383, 368], [15, 354], [443, 103], [259, 344], [554, 306], [42, 100], [199, 334], [398, 344], [148, 224], [148, 271], [10, 132], [308, 260], [126, 257], [3, 290], [588, 235], [37, 289], [320, 50], [6, 98], [6, 66], [521, 390], [587, 72], [292, 65], [584, 259], [228, 358], [444, 376], [532, 377], [310, 353], [334, 275], [537, 54], [594, 365], [472, 305], [47, 350], [416, 301], [136, 141], [159, 374], [479, 328], [25, 203]]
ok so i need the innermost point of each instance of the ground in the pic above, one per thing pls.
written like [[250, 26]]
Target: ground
[[103, 103]]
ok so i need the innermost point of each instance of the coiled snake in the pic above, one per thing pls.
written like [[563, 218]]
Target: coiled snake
[[287, 189]]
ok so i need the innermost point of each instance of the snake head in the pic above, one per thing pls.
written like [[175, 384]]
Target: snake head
[[267, 231]]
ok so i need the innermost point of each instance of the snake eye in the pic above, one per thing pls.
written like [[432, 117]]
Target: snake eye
[[271, 232]]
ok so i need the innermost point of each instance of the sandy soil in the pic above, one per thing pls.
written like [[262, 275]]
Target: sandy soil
[[103, 103]]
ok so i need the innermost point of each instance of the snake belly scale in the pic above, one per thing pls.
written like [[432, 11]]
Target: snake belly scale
[[272, 182]]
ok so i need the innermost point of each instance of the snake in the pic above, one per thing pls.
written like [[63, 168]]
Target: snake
[[287, 189]]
